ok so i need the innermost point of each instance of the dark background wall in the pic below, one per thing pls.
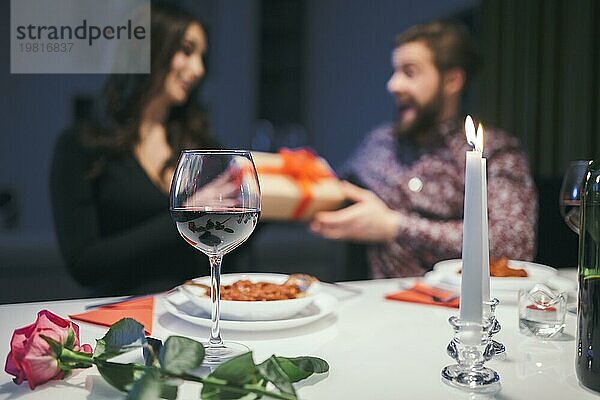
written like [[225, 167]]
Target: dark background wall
[[541, 79], [280, 72]]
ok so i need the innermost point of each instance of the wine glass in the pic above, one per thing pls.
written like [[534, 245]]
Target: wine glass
[[570, 193], [215, 203]]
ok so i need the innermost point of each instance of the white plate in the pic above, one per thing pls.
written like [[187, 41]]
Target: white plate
[[181, 307], [536, 273], [249, 310], [444, 276], [435, 279]]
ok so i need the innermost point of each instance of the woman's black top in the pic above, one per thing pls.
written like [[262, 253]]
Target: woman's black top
[[115, 231]]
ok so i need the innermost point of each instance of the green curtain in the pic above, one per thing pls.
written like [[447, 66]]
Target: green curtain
[[540, 77]]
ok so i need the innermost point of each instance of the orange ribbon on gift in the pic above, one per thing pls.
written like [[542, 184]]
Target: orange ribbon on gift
[[303, 166]]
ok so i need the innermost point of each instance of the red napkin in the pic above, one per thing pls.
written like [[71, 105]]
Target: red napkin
[[139, 309], [424, 294]]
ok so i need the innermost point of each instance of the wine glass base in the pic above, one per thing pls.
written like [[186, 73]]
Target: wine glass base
[[483, 380], [219, 353]]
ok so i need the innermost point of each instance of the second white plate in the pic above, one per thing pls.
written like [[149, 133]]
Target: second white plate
[[537, 273]]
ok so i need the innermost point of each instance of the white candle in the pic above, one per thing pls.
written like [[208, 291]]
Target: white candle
[[471, 299], [472, 251], [484, 236], [484, 208]]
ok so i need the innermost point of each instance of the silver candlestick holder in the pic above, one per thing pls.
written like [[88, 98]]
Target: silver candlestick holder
[[471, 347], [489, 312]]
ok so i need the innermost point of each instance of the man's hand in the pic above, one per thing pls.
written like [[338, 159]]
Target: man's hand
[[369, 219]]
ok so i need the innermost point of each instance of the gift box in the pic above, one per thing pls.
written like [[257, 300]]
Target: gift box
[[296, 184]]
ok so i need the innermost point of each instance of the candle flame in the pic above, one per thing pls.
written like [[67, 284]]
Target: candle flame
[[470, 132], [479, 142]]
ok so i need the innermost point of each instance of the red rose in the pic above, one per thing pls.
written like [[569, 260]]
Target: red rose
[[32, 359]]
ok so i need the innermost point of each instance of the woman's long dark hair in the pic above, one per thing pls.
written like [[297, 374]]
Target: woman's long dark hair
[[118, 110]]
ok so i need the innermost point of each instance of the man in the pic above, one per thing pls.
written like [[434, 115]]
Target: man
[[410, 212]]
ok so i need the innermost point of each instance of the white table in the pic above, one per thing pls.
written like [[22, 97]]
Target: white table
[[377, 349]]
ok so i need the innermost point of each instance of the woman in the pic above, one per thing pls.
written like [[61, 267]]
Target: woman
[[110, 179]]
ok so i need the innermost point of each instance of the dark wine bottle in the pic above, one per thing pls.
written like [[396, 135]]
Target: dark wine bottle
[[588, 309]]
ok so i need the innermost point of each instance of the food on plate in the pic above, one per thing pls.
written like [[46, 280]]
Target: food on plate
[[246, 290], [499, 268]]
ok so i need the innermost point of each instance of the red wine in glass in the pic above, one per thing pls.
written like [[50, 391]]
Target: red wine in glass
[[570, 212], [570, 193]]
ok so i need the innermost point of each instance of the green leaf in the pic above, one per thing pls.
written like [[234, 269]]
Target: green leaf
[[236, 372], [168, 392], [299, 368], [151, 351], [124, 377], [54, 345], [216, 392], [122, 337], [70, 342], [180, 354], [64, 367], [274, 373], [148, 387], [121, 376]]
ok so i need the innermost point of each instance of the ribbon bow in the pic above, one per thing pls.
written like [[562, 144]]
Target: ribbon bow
[[303, 166]]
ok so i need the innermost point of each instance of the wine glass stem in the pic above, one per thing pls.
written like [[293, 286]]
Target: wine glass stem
[[215, 296]]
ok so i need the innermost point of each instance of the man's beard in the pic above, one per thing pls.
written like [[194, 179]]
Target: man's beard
[[426, 118]]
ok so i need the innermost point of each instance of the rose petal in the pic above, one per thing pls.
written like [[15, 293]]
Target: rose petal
[[86, 348], [12, 368], [40, 369], [52, 323], [53, 319], [19, 338], [76, 331]]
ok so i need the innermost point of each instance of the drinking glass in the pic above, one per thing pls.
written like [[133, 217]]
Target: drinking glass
[[570, 193], [215, 203], [542, 311]]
